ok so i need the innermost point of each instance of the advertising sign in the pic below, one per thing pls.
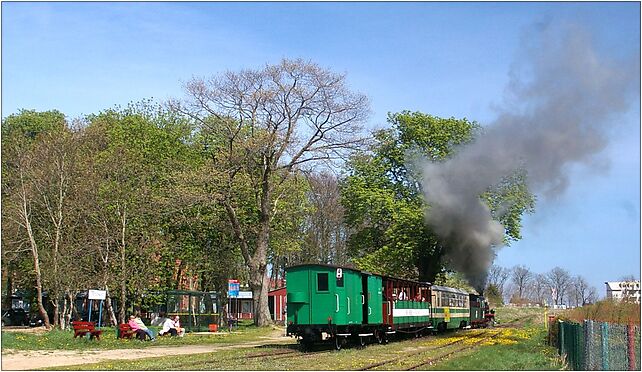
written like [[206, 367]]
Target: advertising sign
[[244, 294], [95, 294], [233, 287]]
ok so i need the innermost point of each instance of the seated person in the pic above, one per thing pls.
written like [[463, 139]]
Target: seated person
[[169, 327], [177, 325], [137, 325]]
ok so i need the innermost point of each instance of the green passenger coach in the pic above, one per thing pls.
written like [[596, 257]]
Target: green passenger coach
[[332, 302], [339, 304], [451, 307]]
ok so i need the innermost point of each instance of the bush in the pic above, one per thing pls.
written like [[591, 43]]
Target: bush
[[605, 311]]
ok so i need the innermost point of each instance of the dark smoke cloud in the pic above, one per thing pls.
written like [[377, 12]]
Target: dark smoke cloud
[[561, 98]]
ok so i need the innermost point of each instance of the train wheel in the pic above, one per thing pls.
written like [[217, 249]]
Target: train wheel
[[338, 342], [385, 337], [362, 341], [305, 345], [379, 336]]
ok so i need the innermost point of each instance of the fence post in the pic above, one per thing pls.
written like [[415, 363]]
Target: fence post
[[605, 346], [574, 345], [587, 344], [631, 346], [560, 337]]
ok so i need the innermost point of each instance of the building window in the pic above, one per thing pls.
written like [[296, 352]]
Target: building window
[[322, 282]]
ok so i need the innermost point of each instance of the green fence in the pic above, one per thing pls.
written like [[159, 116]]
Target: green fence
[[598, 346]]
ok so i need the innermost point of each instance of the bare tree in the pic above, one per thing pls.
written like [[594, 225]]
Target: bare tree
[[325, 232], [521, 277], [591, 297], [581, 291], [270, 123], [539, 288], [497, 277], [560, 281]]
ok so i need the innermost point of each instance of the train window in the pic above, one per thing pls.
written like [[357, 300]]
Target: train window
[[322, 281]]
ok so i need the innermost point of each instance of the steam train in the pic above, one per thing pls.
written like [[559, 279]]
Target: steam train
[[340, 305]]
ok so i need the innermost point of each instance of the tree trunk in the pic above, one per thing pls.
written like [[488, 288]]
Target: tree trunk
[[73, 314], [110, 309], [61, 319], [36, 259], [56, 311], [123, 268], [70, 309], [123, 302], [259, 283]]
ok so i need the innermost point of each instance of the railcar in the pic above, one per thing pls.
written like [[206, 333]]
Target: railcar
[[339, 304], [451, 308], [480, 313], [333, 303]]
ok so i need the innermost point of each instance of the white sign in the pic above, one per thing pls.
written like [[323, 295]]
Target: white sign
[[95, 294], [245, 294], [339, 273]]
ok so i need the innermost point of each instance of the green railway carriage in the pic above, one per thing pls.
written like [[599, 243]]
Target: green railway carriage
[[451, 307], [327, 302], [337, 304]]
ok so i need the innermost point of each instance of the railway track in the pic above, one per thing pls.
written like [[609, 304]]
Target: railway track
[[278, 354], [437, 358], [443, 356], [375, 365]]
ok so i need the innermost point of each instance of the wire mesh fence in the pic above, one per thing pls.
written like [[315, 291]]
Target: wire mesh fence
[[598, 346]]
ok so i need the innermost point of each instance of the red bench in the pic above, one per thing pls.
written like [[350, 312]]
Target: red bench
[[125, 331], [83, 328]]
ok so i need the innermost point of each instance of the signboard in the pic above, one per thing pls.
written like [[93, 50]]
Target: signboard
[[245, 294], [233, 287], [95, 294]]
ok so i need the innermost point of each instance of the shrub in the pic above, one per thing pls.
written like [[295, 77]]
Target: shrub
[[605, 311]]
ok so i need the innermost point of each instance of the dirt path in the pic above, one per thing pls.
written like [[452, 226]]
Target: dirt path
[[33, 359]]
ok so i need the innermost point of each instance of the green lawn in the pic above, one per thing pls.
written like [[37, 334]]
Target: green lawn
[[526, 354], [64, 340], [518, 346]]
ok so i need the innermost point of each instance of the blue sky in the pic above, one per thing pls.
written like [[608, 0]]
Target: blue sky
[[446, 59]]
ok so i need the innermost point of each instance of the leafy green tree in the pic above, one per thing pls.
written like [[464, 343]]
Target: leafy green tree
[[384, 202], [133, 154], [454, 280], [35, 181]]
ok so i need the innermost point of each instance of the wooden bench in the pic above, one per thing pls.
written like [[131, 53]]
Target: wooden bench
[[125, 331], [83, 328]]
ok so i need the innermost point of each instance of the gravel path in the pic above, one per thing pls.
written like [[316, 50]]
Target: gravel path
[[33, 359]]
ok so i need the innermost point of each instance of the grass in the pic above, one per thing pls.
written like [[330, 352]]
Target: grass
[[64, 340], [519, 348], [510, 353]]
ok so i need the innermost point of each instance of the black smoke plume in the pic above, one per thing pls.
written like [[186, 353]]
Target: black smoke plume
[[562, 97]]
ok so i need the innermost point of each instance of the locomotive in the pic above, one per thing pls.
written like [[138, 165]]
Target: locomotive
[[338, 304]]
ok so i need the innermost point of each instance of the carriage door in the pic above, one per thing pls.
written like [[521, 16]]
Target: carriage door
[[374, 299], [340, 308], [364, 298]]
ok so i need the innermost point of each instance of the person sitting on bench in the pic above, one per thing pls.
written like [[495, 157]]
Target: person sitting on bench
[[137, 324], [169, 327]]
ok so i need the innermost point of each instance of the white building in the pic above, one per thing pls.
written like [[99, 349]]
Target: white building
[[623, 290]]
